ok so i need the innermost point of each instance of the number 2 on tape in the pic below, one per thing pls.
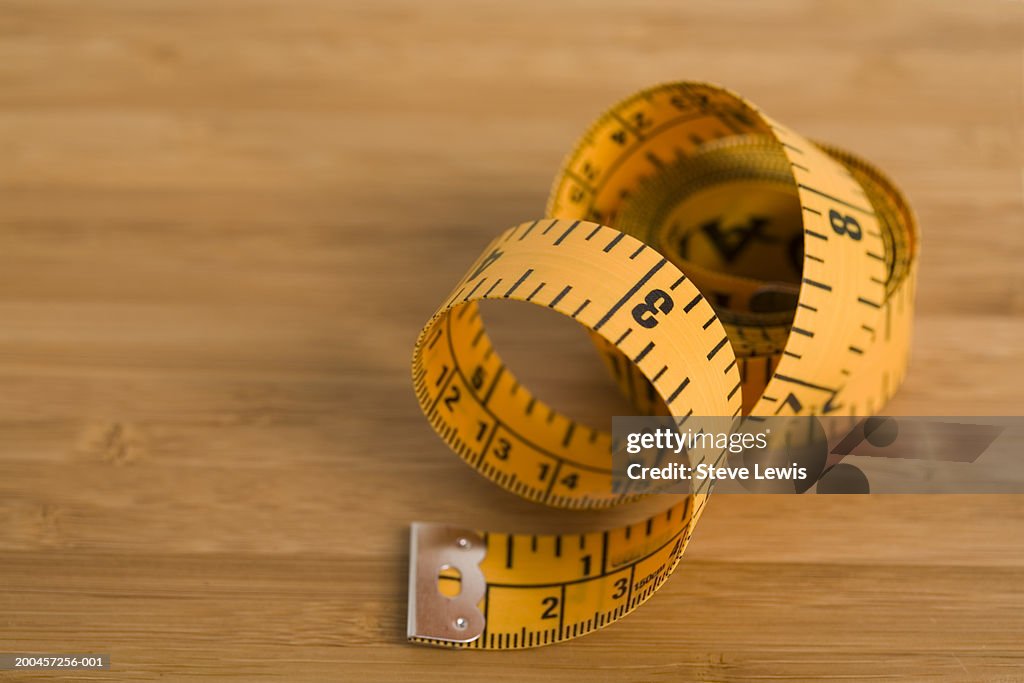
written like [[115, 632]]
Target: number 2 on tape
[[723, 265]]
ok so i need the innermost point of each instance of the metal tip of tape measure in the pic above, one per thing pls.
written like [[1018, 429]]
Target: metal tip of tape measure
[[434, 616]]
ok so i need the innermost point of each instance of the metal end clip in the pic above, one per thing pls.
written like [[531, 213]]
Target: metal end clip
[[433, 615]]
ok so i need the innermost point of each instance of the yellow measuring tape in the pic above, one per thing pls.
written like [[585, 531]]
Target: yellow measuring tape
[[724, 265]]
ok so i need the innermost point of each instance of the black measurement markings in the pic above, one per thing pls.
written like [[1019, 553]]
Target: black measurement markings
[[456, 296], [718, 347], [437, 338], [627, 125], [678, 390], [462, 311], [586, 302], [492, 288], [494, 384], [560, 296], [485, 449], [730, 125], [551, 483], [604, 561], [477, 337], [819, 285], [442, 382], [632, 290], [870, 303], [536, 291], [498, 420], [580, 180], [509, 550], [693, 302], [654, 160], [833, 198], [643, 354], [565, 234], [638, 142], [605, 571], [804, 383], [420, 372], [735, 389], [521, 280], [615, 240], [632, 578], [532, 226], [568, 433], [475, 287]]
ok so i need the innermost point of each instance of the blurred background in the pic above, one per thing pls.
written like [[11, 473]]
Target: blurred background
[[223, 222]]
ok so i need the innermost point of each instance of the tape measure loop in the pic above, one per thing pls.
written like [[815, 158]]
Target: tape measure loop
[[724, 265]]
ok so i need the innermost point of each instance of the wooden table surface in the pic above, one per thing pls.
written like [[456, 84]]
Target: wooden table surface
[[222, 223]]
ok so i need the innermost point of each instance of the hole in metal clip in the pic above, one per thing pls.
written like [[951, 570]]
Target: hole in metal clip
[[449, 581]]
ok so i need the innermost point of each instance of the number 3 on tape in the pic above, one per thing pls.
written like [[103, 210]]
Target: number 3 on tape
[[723, 265]]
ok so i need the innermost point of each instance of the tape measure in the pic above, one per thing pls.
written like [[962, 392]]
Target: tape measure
[[723, 265]]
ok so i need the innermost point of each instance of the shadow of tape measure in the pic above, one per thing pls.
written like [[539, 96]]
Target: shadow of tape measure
[[724, 266]]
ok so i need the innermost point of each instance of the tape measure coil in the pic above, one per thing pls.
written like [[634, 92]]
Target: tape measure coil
[[840, 348]]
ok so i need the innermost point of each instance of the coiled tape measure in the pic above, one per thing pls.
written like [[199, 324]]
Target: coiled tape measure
[[724, 265]]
